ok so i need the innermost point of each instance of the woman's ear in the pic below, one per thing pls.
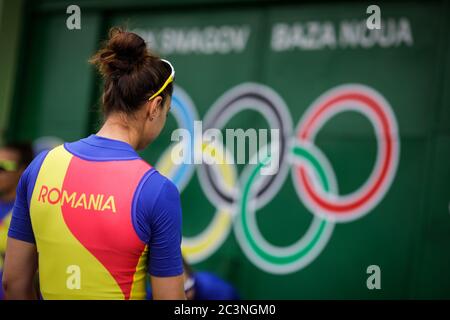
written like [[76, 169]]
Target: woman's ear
[[154, 108]]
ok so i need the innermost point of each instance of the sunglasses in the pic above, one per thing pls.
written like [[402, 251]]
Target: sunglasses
[[8, 165], [169, 80]]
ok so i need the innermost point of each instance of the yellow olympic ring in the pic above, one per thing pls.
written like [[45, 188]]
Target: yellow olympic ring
[[199, 247]]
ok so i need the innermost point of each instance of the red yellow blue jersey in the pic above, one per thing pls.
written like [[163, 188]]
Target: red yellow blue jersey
[[5, 219], [101, 219]]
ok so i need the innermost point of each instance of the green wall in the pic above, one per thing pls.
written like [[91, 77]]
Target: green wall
[[407, 233], [11, 13]]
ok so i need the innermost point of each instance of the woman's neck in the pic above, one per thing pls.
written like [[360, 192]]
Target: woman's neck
[[115, 127]]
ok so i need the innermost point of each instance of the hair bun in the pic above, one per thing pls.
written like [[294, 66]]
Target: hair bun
[[123, 52], [126, 45]]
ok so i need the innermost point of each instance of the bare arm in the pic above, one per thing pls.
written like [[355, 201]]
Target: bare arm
[[168, 288], [19, 270]]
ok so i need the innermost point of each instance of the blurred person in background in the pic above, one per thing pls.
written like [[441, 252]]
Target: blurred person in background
[[203, 285], [101, 216], [14, 158]]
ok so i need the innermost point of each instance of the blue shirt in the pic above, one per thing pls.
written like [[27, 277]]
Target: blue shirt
[[5, 208]]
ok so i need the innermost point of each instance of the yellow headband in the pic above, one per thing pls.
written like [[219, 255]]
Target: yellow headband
[[169, 80]]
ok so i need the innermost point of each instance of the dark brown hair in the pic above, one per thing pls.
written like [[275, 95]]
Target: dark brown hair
[[131, 72]]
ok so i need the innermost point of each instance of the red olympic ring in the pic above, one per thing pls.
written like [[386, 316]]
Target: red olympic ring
[[386, 124]]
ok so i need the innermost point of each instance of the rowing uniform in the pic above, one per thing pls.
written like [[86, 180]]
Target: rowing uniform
[[101, 218], [5, 219]]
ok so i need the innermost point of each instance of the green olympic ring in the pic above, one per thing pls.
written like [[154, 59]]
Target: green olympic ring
[[284, 260]]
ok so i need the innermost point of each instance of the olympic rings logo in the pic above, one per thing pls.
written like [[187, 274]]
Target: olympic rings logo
[[238, 198]]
